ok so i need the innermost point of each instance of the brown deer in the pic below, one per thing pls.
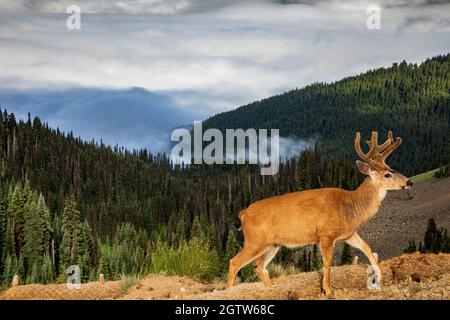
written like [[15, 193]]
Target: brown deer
[[321, 216]]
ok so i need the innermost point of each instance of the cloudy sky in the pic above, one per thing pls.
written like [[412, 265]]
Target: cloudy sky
[[138, 68]]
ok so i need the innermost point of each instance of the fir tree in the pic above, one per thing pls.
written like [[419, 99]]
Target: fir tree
[[13, 266], [197, 230], [71, 234], [231, 249], [316, 260], [411, 247], [46, 271], [86, 246], [3, 234], [429, 241], [44, 212], [346, 255], [34, 247], [16, 225], [34, 274]]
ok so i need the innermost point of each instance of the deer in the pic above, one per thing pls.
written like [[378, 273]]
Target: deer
[[319, 216]]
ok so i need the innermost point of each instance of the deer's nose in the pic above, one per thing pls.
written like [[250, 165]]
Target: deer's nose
[[409, 183]]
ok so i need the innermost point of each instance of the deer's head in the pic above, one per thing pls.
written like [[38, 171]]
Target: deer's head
[[374, 165]]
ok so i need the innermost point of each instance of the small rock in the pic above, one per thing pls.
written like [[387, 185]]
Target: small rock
[[415, 277], [292, 295], [414, 288], [399, 276]]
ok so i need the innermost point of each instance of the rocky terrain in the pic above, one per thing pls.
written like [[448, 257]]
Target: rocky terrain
[[403, 216]]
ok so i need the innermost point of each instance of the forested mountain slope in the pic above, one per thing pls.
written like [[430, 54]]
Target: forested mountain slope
[[107, 209], [412, 100]]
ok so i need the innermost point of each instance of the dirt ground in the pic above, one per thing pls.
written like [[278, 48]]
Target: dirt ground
[[410, 276]]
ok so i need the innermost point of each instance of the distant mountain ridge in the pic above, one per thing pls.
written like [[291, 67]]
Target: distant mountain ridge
[[412, 100]]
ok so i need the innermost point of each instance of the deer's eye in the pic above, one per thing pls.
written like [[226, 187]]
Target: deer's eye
[[388, 175]]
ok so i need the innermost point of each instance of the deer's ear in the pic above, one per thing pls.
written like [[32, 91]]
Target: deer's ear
[[363, 167]]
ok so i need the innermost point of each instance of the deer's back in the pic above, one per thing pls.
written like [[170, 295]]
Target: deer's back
[[298, 217]]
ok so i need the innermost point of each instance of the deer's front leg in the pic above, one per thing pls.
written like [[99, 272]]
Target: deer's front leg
[[357, 242], [327, 249]]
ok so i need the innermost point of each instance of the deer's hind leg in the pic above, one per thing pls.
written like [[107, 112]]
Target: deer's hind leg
[[262, 262], [244, 257], [327, 250]]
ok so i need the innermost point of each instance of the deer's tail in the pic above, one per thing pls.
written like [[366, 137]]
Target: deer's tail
[[241, 218]]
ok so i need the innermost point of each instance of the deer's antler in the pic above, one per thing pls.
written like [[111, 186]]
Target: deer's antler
[[377, 153], [384, 145]]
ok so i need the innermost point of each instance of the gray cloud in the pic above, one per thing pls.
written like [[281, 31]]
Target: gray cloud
[[134, 118], [119, 6], [229, 56], [209, 56], [184, 6]]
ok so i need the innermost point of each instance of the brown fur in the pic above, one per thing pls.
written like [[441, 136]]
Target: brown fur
[[321, 216]]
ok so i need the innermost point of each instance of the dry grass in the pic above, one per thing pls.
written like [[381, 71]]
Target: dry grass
[[411, 276]]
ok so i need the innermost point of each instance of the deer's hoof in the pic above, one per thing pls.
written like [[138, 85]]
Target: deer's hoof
[[328, 291]]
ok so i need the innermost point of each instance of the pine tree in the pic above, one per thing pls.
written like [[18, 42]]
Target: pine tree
[[303, 263], [16, 214], [86, 245], [346, 255], [316, 260], [197, 229], [13, 266], [411, 247], [44, 212], [34, 246], [180, 231], [3, 234], [34, 275], [231, 249], [446, 244], [46, 271], [429, 241], [70, 250], [8, 272]]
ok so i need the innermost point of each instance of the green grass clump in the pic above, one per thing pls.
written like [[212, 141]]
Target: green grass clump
[[192, 258], [128, 281]]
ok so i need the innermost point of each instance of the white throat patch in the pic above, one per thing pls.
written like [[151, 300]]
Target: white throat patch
[[382, 194]]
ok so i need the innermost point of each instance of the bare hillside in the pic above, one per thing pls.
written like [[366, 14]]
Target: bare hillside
[[403, 218]]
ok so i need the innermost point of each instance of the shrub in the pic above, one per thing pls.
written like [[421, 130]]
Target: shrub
[[192, 258], [126, 282], [443, 172], [277, 270], [346, 255]]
